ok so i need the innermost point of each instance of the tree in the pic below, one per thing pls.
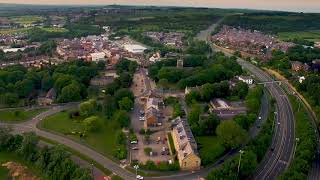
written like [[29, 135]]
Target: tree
[[125, 104], [109, 105], [231, 134], [24, 87], [9, 99], [28, 148], [70, 93], [91, 123], [122, 118], [101, 65], [121, 93], [87, 108], [245, 121], [208, 126], [241, 89]]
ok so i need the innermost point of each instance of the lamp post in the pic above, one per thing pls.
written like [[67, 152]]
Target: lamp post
[[295, 147], [241, 152], [136, 167], [275, 118], [92, 170]]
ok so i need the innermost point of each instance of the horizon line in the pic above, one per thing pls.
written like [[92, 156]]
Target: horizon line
[[179, 6]]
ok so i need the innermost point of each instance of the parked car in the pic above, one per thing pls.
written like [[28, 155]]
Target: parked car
[[135, 148], [139, 177], [134, 142]]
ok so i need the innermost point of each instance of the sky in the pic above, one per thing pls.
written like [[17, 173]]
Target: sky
[[287, 5]]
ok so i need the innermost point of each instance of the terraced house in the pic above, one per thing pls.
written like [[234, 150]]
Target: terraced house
[[185, 145]]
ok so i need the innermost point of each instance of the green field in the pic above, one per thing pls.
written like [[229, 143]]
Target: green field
[[5, 157], [19, 114], [25, 30], [103, 140], [211, 149], [307, 35], [26, 20]]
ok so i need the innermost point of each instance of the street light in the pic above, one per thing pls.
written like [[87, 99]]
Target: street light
[[92, 170], [136, 167], [241, 152], [295, 147], [275, 118]]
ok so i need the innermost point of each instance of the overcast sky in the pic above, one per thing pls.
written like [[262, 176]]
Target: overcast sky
[[290, 5]]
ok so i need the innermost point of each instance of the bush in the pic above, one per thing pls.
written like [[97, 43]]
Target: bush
[[147, 150]]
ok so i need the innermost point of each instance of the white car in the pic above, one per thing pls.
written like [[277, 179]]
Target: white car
[[260, 117], [134, 142], [141, 118], [139, 177]]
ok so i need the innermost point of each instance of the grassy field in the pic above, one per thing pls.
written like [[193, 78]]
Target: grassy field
[[307, 35], [211, 148], [19, 114], [25, 30], [103, 140], [5, 157], [25, 20]]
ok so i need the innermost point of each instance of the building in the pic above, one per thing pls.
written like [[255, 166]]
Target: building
[[180, 63], [152, 112], [151, 117], [185, 145], [99, 56], [48, 99], [299, 66], [246, 79], [190, 89], [134, 48], [227, 110]]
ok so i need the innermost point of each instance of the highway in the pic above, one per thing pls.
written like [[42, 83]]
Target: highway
[[281, 151]]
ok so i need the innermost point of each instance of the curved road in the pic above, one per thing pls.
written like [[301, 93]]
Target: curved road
[[282, 148]]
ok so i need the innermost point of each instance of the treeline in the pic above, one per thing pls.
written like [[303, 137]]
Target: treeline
[[218, 90], [214, 70], [54, 162], [46, 48], [73, 31], [275, 22], [69, 80], [311, 88], [189, 22]]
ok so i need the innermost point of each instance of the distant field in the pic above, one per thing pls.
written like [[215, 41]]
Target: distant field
[[18, 115], [25, 20], [23, 30], [307, 35]]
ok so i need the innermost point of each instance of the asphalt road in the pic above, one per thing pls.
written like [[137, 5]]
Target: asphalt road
[[283, 143]]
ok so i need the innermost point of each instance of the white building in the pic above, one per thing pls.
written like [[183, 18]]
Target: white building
[[246, 79], [95, 57], [13, 50], [301, 79], [134, 48]]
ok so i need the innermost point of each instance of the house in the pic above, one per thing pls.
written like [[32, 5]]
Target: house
[[246, 79], [152, 103], [185, 145], [151, 117], [296, 66], [48, 99], [188, 90], [99, 56]]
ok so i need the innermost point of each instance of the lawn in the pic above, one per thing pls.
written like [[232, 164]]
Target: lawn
[[103, 140], [211, 148], [307, 35], [5, 157], [19, 114]]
